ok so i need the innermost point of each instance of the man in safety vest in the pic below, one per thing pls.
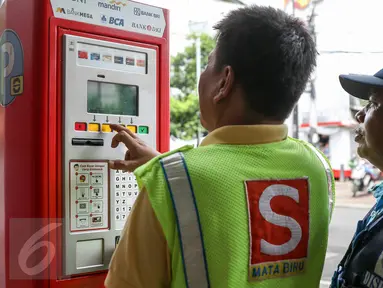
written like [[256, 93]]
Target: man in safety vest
[[250, 207]]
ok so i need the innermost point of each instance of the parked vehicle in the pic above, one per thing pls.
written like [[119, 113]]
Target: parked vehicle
[[363, 177]]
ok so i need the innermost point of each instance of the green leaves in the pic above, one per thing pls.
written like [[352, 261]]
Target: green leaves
[[185, 122]]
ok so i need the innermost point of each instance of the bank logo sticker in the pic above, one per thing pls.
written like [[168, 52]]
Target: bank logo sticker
[[82, 54], [140, 63], [112, 5], [279, 227], [129, 61], [12, 67], [125, 15], [104, 19], [60, 10], [107, 58], [95, 56], [118, 60], [140, 12], [116, 21]]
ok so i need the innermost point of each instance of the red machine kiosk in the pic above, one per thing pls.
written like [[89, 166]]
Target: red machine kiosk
[[68, 69]]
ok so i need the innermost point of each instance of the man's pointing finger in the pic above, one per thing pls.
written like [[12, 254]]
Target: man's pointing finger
[[118, 128], [123, 137]]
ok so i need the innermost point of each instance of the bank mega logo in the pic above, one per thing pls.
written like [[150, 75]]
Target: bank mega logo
[[60, 10], [74, 12], [112, 5]]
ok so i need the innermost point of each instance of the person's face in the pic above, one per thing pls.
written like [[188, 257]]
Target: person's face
[[213, 87], [369, 135]]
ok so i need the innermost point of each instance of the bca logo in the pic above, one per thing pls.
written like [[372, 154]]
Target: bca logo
[[116, 21], [279, 227]]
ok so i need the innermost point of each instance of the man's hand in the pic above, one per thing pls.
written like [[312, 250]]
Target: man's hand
[[138, 152]]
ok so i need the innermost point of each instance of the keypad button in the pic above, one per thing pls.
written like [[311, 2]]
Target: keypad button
[[123, 201], [123, 193], [118, 217], [123, 208], [123, 178], [123, 186], [118, 178], [118, 202], [117, 186], [130, 194], [123, 216], [118, 194], [117, 209]]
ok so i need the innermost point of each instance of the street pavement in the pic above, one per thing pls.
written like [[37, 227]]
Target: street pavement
[[344, 197], [348, 210]]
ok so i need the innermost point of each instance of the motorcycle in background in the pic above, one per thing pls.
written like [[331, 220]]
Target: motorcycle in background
[[363, 177]]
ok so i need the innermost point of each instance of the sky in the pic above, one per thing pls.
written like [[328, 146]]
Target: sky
[[350, 25], [348, 37]]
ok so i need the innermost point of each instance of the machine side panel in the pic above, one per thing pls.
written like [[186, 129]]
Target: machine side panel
[[23, 141]]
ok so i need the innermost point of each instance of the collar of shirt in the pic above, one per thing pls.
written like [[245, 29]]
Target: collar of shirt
[[246, 135]]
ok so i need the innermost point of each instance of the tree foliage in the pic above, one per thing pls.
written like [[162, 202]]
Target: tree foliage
[[184, 64], [184, 110]]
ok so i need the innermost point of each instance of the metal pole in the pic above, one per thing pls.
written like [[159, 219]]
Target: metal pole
[[295, 111], [198, 59], [198, 73]]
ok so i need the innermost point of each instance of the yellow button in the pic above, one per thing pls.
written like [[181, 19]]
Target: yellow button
[[132, 128], [94, 127], [106, 128]]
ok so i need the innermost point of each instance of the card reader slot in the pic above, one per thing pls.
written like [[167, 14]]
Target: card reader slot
[[87, 142]]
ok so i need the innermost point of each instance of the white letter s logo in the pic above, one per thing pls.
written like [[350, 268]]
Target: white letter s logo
[[280, 220]]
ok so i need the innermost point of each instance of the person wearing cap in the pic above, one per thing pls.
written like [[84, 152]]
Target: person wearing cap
[[251, 206], [362, 264]]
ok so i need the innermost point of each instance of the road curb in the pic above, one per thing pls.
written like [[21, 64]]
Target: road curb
[[357, 206]]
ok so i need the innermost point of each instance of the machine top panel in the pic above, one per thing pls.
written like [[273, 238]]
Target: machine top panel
[[124, 15]]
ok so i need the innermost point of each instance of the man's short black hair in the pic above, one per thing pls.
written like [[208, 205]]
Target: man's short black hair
[[272, 55]]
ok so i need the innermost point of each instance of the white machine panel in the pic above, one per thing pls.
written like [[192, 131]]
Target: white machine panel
[[103, 83]]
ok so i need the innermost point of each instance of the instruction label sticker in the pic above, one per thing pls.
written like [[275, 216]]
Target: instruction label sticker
[[119, 14], [11, 67]]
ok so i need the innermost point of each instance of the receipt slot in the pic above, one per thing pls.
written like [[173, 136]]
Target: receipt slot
[[72, 69]]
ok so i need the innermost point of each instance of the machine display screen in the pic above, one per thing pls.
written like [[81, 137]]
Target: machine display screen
[[112, 99]]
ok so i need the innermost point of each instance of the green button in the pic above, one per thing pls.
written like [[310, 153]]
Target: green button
[[143, 129]]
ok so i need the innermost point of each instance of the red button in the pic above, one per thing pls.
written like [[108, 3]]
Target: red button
[[80, 126]]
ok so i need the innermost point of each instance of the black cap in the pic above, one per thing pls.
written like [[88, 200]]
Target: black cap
[[361, 86]]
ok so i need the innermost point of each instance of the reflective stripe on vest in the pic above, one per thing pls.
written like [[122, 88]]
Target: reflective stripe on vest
[[328, 175], [187, 218]]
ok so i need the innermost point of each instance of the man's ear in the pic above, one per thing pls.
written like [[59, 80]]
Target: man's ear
[[225, 84]]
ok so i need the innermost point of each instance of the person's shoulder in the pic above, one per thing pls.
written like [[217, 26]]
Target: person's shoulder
[[311, 151], [156, 162]]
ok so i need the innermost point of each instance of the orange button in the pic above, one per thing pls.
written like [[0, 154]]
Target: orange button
[[94, 127], [106, 128], [132, 128]]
